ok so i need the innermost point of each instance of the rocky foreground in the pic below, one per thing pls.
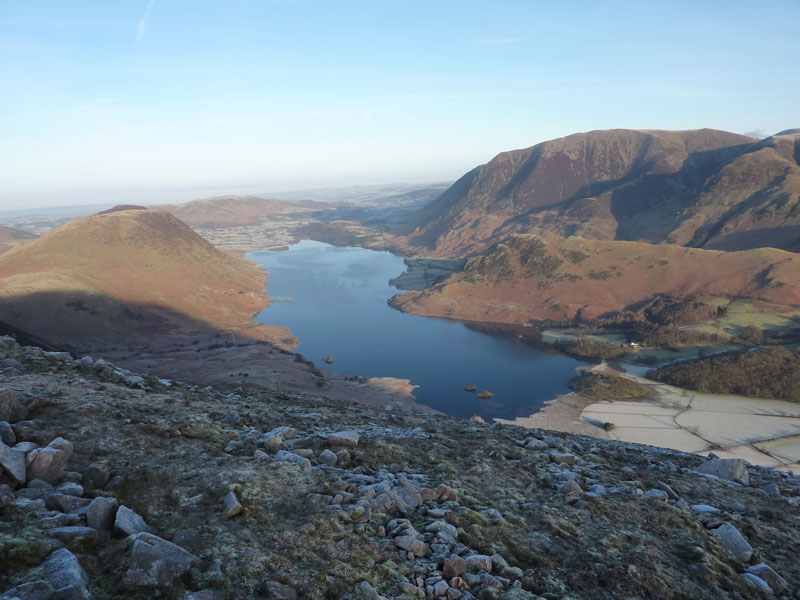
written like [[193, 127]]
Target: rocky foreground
[[117, 485]]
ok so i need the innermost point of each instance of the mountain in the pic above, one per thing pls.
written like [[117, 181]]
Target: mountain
[[527, 278], [11, 236], [702, 188], [232, 211], [125, 278]]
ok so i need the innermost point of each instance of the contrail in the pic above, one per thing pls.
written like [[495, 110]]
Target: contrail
[[143, 21]]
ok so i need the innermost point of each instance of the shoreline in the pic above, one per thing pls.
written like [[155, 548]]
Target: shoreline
[[762, 431]]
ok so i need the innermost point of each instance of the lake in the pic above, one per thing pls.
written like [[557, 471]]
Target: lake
[[334, 302]]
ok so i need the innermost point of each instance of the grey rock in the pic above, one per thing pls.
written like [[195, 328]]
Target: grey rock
[[72, 476], [156, 563], [705, 509], [65, 503], [657, 494], [408, 493], [96, 476], [732, 469], [440, 589], [479, 562], [231, 506], [278, 591], [73, 533], [7, 435], [291, 457], [563, 458], [670, 492], [102, 513], [48, 463], [115, 483], [70, 489], [65, 574], [411, 544], [364, 591], [327, 457], [26, 430], [37, 590], [26, 447], [13, 464], [727, 535], [61, 520], [285, 432], [442, 526], [6, 495], [757, 581], [127, 522], [777, 583], [39, 484], [11, 409], [272, 443], [773, 490], [87, 362], [571, 487], [344, 438]]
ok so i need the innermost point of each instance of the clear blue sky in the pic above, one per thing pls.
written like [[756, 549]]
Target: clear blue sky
[[98, 96]]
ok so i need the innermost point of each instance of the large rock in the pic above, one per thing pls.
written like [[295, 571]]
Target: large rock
[[96, 476], [776, 583], [13, 464], [291, 457], [37, 590], [48, 463], [101, 513], [65, 574], [127, 522], [11, 409], [231, 506], [7, 435], [727, 535], [72, 534], [732, 469], [344, 438], [156, 563]]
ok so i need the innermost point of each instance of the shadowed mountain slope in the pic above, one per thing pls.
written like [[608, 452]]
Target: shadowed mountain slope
[[701, 188], [127, 277]]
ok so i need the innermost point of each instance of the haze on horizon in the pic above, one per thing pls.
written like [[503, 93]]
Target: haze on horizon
[[149, 97]]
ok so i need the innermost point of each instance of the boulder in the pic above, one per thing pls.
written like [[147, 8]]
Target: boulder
[[231, 506], [101, 513], [327, 457], [344, 438], [732, 469], [205, 595], [7, 435], [479, 562], [11, 409], [65, 574], [291, 457], [72, 534], [36, 590], [48, 463], [127, 522], [96, 476], [70, 489], [157, 563], [13, 464], [727, 535], [411, 544], [278, 591], [777, 584], [757, 581], [66, 503]]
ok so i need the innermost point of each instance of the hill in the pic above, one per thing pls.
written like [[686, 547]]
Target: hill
[[141, 488], [701, 188], [233, 211], [12, 236], [528, 278], [126, 278]]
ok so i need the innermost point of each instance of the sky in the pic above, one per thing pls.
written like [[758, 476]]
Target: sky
[[144, 99]]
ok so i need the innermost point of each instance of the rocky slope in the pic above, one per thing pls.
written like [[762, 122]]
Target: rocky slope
[[527, 278], [704, 188], [117, 485]]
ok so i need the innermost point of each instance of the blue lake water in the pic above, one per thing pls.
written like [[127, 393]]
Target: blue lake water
[[338, 308]]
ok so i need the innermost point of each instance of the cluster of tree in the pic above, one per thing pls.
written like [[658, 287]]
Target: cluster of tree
[[607, 387], [765, 373], [592, 347]]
